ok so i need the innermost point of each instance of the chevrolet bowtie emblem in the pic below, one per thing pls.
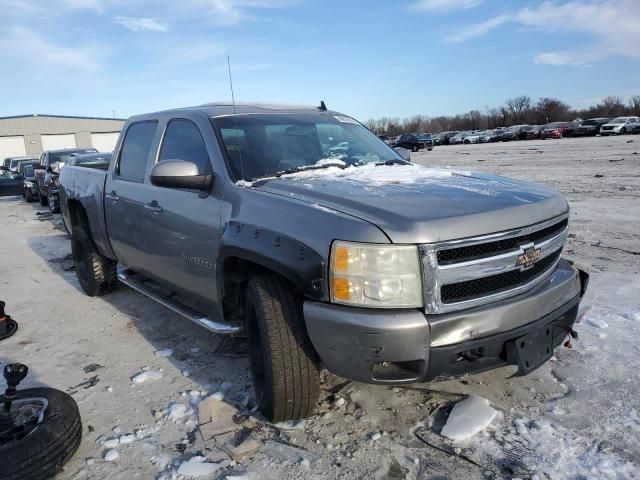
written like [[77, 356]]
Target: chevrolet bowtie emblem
[[528, 256]]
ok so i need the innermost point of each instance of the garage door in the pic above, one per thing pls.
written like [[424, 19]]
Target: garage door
[[104, 142], [11, 147], [53, 142]]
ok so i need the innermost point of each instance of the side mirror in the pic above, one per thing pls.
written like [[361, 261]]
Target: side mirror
[[404, 153], [179, 174]]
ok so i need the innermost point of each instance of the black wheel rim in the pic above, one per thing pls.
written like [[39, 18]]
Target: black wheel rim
[[256, 355]]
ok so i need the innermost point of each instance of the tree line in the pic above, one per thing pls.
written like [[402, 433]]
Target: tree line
[[515, 111]]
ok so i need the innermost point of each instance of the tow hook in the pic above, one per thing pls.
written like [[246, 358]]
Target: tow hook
[[573, 335]]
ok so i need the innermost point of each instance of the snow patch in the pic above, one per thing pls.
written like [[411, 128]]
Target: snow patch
[[111, 455], [167, 352], [197, 467], [468, 417], [146, 376], [596, 322]]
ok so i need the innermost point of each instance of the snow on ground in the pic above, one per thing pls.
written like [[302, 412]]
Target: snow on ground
[[576, 417], [468, 417]]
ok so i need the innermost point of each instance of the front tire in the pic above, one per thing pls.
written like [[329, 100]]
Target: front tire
[[623, 130], [284, 365], [28, 196], [414, 148], [42, 199], [96, 273]]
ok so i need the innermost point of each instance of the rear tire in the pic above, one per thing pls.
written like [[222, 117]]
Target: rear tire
[[43, 453], [623, 130], [96, 273], [414, 148], [52, 205], [284, 365], [42, 199], [28, 196]]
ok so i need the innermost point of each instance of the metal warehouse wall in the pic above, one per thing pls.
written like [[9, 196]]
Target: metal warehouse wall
[[31, 127]]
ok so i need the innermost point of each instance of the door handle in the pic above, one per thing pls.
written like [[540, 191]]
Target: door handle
[[112, 196], [153, 207]]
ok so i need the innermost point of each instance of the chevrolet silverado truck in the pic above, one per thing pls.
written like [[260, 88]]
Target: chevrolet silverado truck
[[247, 220]]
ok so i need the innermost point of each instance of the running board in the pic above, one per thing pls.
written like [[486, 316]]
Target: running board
[[212, 325]]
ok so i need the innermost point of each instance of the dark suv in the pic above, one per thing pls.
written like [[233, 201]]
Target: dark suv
[[410, 142], [426, 139]]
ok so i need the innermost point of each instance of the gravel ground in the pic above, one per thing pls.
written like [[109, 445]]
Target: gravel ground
[[576, 417]]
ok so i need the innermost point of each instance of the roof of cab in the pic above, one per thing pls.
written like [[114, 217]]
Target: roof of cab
[[219, 109]]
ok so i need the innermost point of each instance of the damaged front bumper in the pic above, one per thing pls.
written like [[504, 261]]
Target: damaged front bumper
[[406, 346]]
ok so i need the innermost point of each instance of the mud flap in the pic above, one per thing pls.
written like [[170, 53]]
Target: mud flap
[[532, 350]]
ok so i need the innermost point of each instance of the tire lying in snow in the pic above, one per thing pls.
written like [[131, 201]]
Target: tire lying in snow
[[284, 365], [49, 445], [96, 273]]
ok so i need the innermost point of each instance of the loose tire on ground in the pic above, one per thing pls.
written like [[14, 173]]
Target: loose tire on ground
[[96, 273], [284, 365], [43, 453]]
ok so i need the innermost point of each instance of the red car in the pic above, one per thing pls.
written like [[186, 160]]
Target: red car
[[556, 130]]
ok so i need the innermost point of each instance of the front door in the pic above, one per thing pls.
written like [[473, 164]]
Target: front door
[[181, 227]]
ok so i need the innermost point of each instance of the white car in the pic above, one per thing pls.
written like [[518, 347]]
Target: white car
[[620, 126]]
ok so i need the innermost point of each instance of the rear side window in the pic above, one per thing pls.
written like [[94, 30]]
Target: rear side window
[[183, 141], [135, 151]]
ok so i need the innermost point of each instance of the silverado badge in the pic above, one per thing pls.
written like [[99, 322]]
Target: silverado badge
[[528, 256]]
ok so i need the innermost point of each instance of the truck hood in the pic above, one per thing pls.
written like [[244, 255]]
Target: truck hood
[[416, 204]]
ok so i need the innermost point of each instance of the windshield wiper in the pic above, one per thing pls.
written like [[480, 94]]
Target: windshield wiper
[[393, 161], [303, 168]]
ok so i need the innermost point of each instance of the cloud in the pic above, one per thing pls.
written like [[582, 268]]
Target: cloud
[[477, 29], [440, 6], [232, 12], [138, 24], [611, 24], [28, 45]]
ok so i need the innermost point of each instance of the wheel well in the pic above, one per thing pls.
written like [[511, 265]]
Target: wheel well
[[77, 213], [236, 274]]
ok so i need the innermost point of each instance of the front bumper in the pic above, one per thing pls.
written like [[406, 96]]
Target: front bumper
[[407, 346]]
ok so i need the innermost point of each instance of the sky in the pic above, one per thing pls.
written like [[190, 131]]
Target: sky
[[370, 59]]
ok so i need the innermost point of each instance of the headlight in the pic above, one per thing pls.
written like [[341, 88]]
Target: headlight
[[384, 276], [28, 184]]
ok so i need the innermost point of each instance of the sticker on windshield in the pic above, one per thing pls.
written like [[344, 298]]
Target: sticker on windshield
[[345, 119]]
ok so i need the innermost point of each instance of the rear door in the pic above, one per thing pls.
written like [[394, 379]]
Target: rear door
[[125, 195], [10, 183], [181, 227]]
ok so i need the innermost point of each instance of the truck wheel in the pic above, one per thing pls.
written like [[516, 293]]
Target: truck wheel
[[28, 196], [49, 445], [52, 204], [42, 199], [284, 365], [96, 273]]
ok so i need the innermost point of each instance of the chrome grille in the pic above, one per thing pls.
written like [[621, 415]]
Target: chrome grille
[[464, 273]]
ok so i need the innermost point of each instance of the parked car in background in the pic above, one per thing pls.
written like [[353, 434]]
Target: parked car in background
[[555, 130], [29, 186], [458, 138], [509, 134], [619, 126], [490, 136], [10, 182], [410, 142], [472, 137], [534, 132], [590, 127], [521, 131], [12, 163], [634, 129], [426, 139], [445, 137], [573, 128], [49, 168]]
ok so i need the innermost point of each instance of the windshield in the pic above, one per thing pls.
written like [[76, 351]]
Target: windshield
[[264, 145], [27, 171], [619, 120], [63, 156]]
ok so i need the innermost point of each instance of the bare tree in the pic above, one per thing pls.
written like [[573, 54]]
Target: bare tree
[[613, 105], [518, 108], [551, 110], [634, 104]]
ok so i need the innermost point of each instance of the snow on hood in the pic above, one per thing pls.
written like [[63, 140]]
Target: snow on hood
[[371, 173]]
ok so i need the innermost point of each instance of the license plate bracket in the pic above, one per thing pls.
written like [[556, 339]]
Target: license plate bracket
[[534, 349]]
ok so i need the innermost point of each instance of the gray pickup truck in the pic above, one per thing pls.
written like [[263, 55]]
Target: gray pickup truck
[[300, 229]]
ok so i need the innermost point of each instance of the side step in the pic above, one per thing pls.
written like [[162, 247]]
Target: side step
[[215, 326]]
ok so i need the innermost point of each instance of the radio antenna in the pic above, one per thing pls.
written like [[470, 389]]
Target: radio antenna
[[233, 98]]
